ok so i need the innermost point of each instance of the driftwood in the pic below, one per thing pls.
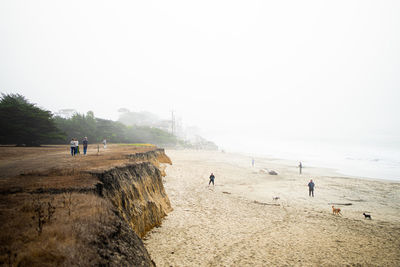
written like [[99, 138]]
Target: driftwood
[[341, 204]]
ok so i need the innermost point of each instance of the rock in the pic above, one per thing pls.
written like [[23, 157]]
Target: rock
[[270, 172]]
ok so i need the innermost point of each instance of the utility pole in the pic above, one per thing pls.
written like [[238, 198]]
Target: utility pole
[[172, 122]]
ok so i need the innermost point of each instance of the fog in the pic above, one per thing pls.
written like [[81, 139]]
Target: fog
[[244, 72]]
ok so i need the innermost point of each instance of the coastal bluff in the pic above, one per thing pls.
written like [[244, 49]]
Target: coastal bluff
[[137, 191], [80, 210]]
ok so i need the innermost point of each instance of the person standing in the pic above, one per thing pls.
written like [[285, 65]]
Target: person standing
[[105, 143], [212, 177], [76, 146], [252, 162], [72, 143], [311, 186], [300, 166], [85, 144]]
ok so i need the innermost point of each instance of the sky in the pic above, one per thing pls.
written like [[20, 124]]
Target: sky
[[245, 72]]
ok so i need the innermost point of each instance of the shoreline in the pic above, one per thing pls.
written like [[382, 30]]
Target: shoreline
[[326, 169], [288, 170], [237, 222]]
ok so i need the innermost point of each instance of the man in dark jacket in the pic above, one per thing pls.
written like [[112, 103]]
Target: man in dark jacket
[[85, 144], [212, 177], [311, 186]]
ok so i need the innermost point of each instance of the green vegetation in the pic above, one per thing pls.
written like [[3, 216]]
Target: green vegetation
[[79, 126], [23, 123], [143, 118]]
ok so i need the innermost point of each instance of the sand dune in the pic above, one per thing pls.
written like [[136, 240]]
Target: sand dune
[[236, 223]]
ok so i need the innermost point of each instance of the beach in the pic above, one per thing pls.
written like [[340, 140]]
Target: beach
[[237, 223]]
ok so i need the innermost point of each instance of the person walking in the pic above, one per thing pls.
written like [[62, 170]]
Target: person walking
[[300, 166], [212, 177], [311, 186], [252, 162], [85, 144], [72, 144]]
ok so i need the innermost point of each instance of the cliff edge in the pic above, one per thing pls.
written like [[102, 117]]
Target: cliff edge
[[90, 210], [137, 191]]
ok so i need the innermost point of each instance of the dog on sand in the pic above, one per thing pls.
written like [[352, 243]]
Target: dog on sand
[[336, 211], [367, 216], [275, 198]]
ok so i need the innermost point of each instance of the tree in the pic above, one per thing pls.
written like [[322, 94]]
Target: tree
[[23, 123], [142, 118], [66, 113], [78, 126]]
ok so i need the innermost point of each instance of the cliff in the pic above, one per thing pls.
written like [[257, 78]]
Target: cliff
[[85, 211], [136, 190], [155, 157]]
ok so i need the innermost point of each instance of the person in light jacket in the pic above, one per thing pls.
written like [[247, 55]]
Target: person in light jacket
[[72, 144]]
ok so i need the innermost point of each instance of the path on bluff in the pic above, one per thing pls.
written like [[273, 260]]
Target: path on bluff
[[214, 227]]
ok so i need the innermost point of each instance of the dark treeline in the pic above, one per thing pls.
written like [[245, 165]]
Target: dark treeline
[[23, 123], [96, 129]]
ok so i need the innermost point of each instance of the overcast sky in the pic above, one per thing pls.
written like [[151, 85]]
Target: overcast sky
[[240, 70]]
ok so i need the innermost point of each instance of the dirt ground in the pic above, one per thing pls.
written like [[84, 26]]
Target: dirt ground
[[48, 209], [20, 160]]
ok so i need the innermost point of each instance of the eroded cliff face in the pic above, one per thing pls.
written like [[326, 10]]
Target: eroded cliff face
[[136, 190], [63, 213], [155, 157]]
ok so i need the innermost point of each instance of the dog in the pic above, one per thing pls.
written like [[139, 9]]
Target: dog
[[336, 211], [367, 216], [275, 198]]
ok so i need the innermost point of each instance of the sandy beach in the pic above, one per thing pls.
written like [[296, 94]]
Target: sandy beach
[[236, 223]]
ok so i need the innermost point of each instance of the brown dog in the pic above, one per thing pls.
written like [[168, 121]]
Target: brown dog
[[336, 211]]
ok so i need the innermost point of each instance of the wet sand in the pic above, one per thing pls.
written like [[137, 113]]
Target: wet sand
[[236, 223]]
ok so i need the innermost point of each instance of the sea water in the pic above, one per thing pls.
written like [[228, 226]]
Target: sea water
[[377, 158], [360, 160]]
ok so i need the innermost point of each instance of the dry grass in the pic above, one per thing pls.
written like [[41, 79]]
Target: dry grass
[[54, 167], [63, 239], [9, 152], [140, 145], [43, 229], [26, 160]]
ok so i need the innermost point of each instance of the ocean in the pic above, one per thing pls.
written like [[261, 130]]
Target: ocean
[[368, 161], [377, 160]]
